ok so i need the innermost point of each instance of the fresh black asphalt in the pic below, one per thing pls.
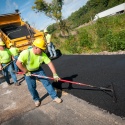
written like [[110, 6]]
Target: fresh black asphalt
[[96, 70]]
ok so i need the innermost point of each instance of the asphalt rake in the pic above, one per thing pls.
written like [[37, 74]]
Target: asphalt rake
[[109, 90]]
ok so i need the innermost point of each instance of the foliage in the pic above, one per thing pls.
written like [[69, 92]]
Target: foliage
[[76, 44], [107, 34], [111, 30], [116, 41], [52, 10], [87, 12], [102, 28], [84, 39], [52, 28]]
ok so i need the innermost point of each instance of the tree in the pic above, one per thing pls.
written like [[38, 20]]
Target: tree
[[52, 10]]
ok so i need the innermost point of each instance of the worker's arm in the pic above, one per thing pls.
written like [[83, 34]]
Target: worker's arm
[[21, 66], [0, 66], [52, 68], [13, 58]]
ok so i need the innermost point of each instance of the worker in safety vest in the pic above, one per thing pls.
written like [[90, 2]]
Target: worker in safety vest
[[29, 61], [50, 45], [6, 65], [15, 53]]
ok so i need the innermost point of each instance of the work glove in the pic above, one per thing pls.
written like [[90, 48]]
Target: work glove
[[28, 73], [56, 77]]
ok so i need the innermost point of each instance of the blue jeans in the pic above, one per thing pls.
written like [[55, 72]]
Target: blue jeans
[[6, 71], [14, 63], [31, 83], [51, 49]]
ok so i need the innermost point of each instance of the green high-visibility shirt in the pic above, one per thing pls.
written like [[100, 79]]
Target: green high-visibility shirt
[[14, 51], [5, 56], [32, 61]]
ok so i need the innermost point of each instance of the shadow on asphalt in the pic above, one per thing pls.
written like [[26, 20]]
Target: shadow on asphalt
[[59, 84], [43, 97]]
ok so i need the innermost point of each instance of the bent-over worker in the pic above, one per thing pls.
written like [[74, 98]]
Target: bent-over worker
[[29, 62]]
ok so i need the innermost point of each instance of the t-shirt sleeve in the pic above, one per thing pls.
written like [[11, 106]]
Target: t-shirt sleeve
[[46, 59], [17, 50], [23, 56], [48, 38], [9, 52], [0, 59]]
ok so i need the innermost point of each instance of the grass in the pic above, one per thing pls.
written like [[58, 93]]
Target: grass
[[106, 34]]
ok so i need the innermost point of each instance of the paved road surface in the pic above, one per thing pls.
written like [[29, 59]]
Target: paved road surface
[[90, 107], [97, 70]]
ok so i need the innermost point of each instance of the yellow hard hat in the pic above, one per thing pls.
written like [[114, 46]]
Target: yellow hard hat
[[2, 43], [40, 43], [45, 31], [10, 44]]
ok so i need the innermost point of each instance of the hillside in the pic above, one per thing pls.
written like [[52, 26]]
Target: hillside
[[86, 36], [86, 13], [107, 34]]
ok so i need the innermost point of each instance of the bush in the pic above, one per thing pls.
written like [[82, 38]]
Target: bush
[[116, 41], [101, 28], [84, 39], [71, 44]]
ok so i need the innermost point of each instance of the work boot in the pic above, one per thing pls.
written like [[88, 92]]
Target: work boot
[[51, 57], [37, 103], [8, 84], [58, 100], [54, 56]]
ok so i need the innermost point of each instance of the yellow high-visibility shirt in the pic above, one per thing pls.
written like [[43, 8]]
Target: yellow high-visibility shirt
[[32, 61], [14, 51], [5, 56]]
